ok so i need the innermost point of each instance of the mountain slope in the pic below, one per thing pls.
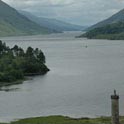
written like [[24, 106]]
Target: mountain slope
[[13, 23], [111, 28], [118, 17], [53, 24], [114, 31]]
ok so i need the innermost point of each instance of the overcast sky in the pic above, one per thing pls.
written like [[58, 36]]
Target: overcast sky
[[83, 12]]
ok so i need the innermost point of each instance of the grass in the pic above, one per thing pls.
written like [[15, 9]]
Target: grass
[[64, 120]]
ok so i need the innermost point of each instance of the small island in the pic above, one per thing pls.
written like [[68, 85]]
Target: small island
[[15, 63]]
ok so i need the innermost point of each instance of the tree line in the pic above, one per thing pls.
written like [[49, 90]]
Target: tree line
[[15, 63]]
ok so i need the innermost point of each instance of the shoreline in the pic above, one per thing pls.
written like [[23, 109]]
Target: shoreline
[[27, 77], [58, 119], [6, 84]]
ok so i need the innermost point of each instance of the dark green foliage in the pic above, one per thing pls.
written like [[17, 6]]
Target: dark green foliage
[[15, 63], [112, 31]]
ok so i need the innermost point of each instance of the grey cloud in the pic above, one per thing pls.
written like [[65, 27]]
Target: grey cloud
[[84, 12]]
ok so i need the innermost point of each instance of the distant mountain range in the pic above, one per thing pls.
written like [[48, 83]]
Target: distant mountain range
[[14, 23], [111, 28], [53, 24]]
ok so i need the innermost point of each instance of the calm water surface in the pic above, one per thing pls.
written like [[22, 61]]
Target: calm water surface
[[79, 84]]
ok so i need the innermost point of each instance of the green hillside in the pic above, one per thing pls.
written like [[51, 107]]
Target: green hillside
[[13, 23], [111, 28], [117, 17], [112, 31]]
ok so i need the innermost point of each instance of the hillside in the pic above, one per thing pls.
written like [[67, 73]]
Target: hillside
[[111, 28], [113, 31], [13, 23], [118, 17], [53, 24]]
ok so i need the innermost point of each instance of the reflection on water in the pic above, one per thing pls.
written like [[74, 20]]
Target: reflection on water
[[82, 77], [8, 89]]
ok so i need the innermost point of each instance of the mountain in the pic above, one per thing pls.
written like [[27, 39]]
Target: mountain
[[118, 17], [53, 24], [114, 31], [111, 28], [13, 23]]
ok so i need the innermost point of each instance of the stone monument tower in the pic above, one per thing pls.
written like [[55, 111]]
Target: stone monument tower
[[115, 108]]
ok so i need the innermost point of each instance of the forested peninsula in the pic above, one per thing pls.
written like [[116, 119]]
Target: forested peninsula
[[15, 63]]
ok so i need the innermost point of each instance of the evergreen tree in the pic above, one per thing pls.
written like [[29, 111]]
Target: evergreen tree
[[15, 63]]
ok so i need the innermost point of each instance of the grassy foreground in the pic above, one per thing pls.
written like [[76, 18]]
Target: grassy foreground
[[65, 120]]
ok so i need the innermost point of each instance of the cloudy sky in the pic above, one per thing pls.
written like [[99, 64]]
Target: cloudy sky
[[83, 12]]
